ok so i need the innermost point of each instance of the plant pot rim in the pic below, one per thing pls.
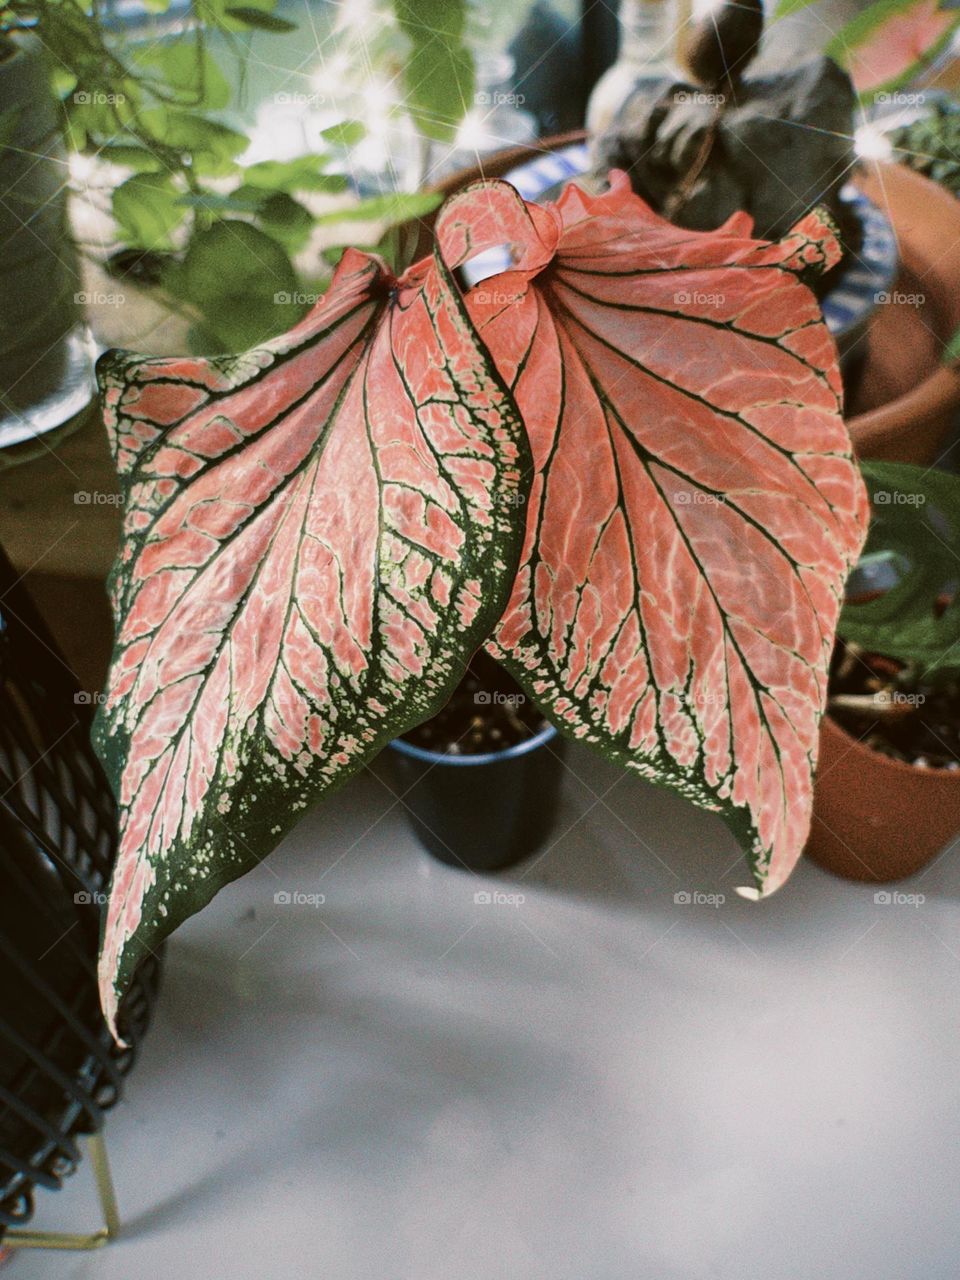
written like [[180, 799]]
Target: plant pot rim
[[545, 735], [939, 392], [922, 774]]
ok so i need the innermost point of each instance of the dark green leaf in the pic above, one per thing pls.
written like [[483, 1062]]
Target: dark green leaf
[[211, 145], [903, 600], [258, 20], [286, 219], [438, 74], [187, 70], [240, 280]]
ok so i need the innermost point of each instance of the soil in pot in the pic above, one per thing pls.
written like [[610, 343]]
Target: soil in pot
[[480, 781], [917, 722]]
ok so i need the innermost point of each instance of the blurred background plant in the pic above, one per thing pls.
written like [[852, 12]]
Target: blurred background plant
[[214, 203]]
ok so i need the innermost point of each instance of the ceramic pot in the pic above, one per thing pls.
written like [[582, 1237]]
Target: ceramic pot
[[874, 818]]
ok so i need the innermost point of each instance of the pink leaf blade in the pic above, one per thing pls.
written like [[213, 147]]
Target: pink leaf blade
[[695, 508], [315, 542]]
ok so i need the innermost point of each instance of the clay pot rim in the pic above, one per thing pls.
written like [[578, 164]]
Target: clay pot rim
[[939, 392], [924, 774]]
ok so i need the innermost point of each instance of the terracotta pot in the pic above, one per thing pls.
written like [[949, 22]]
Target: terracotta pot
[[907, 401], [874, 818]]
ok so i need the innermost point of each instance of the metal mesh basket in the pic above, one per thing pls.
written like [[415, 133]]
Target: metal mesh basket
[[59, 1067]]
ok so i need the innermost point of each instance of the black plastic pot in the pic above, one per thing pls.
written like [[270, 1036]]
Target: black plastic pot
[[482, 812]]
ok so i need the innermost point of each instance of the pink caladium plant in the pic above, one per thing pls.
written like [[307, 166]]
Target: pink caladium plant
[[621, 465]]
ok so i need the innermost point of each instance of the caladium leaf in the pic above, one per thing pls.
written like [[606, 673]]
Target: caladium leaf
[[315, 542], [694, 509]]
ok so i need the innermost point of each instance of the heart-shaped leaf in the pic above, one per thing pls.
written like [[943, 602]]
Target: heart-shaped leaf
[[315, 542], [694, 508]]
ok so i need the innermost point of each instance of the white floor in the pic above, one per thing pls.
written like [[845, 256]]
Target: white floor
[[597, 1083]]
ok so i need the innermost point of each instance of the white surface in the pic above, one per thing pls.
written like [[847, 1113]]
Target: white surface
[[597, 1084]]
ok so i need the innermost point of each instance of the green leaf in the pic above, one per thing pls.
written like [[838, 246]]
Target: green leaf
[[147, 210], [318, 535], [258, 20], [302, 174], [211, 145], [187, 70], [347, 133], [286, 220], [786, 7], [62, 81], [903, 601], [132, 157], [9, 118], [218, 202], [217, 13], [239, 279], [438, 75], [952, 353], [396, 207]]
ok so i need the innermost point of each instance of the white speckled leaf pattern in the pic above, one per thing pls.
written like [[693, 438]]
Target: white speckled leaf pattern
[[695, 509], [315, 542]]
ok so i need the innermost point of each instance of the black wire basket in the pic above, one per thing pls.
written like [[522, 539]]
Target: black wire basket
[[60, 1069]]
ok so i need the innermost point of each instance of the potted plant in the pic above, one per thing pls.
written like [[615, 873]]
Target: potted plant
[[887, 796], [619, 466], [481, 780]]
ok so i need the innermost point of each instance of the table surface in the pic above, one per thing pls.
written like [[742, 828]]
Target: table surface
[[597, 1083]]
